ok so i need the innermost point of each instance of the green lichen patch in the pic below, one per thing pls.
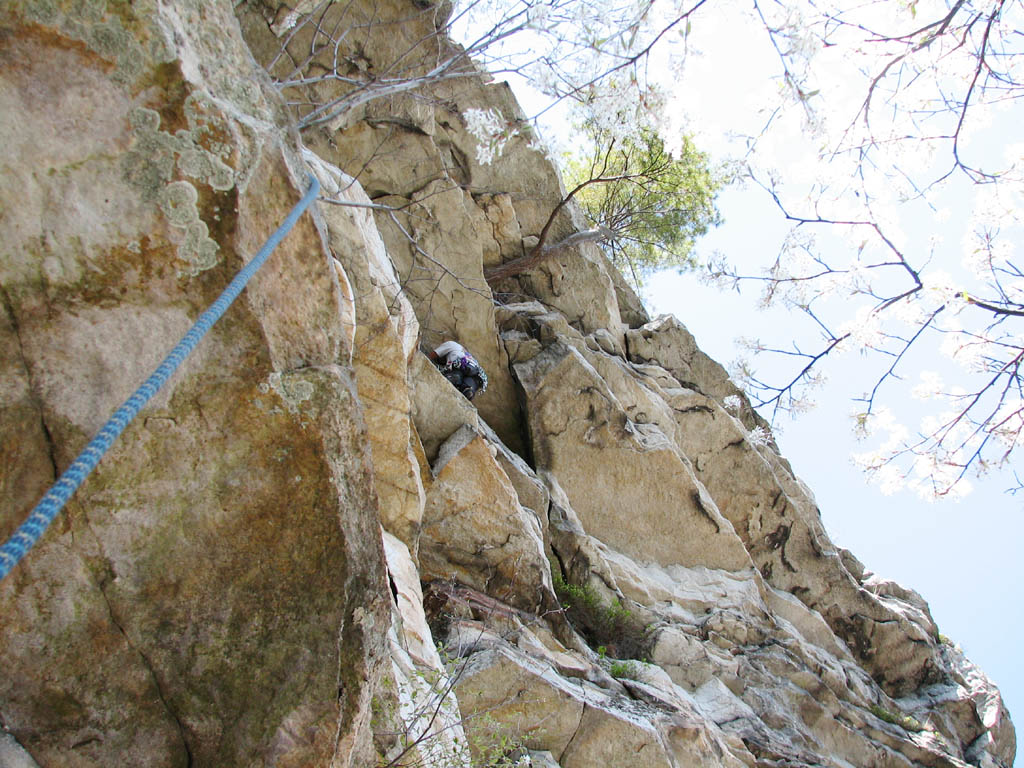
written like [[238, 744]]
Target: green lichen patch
[[209, 129], [151, 165], [292, 388], [178, 202], [42, 11], [109, 39], [181, 140], [200, 164], [113, 37], [197, 248], [906, 722]]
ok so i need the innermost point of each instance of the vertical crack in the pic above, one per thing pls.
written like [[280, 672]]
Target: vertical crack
[[576, 731], [147, 664], [100, 581], [51, 448], [33, 394]]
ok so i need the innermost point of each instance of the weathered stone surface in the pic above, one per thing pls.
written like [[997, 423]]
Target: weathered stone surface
[[615, 738], [888, 627], [666, 342], [476, 532], [468, 636], [531, 491], [405, 584], [418, 702], [577, 284], [417, 715], [439, 409], [605, 463], [580, 724], [543, 759], [438, 243], [631, 309], [384, 338], [12, 755], [186, 608], [504, 225], [539, 707]]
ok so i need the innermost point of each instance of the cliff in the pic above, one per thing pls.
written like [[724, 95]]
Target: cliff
[[309, 549]]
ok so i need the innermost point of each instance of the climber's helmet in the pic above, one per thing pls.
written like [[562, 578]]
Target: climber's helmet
[[469, 386]]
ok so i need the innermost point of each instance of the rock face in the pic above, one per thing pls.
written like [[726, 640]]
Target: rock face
[[617, 569], [215, 594]]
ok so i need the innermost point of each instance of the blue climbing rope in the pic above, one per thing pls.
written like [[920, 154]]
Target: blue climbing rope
[[46, 510]]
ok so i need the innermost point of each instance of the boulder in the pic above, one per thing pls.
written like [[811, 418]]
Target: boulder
[[580, 724], [612, 467], [666, 342], [475, 531], [538, 707], [438, 408]]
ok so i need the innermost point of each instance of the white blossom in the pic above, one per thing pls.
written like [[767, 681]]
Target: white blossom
[[889, 479], [759, 436], [929, 386], [864, 329], [490, 130], [944, 290]]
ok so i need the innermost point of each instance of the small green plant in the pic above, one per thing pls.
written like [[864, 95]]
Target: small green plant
[[630, 670], [609, 626], [492, 744], [906, 722], [382, 712], [616, 613]]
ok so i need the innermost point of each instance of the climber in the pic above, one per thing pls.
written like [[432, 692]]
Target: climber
[[460, 368]]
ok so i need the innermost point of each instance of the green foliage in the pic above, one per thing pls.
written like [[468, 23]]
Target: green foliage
[[492, 745], [626, 669], [906, 722], [488, 743], [656, 204], [611, 628]]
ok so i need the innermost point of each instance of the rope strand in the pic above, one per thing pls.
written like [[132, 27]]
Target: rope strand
[[44, 513]]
